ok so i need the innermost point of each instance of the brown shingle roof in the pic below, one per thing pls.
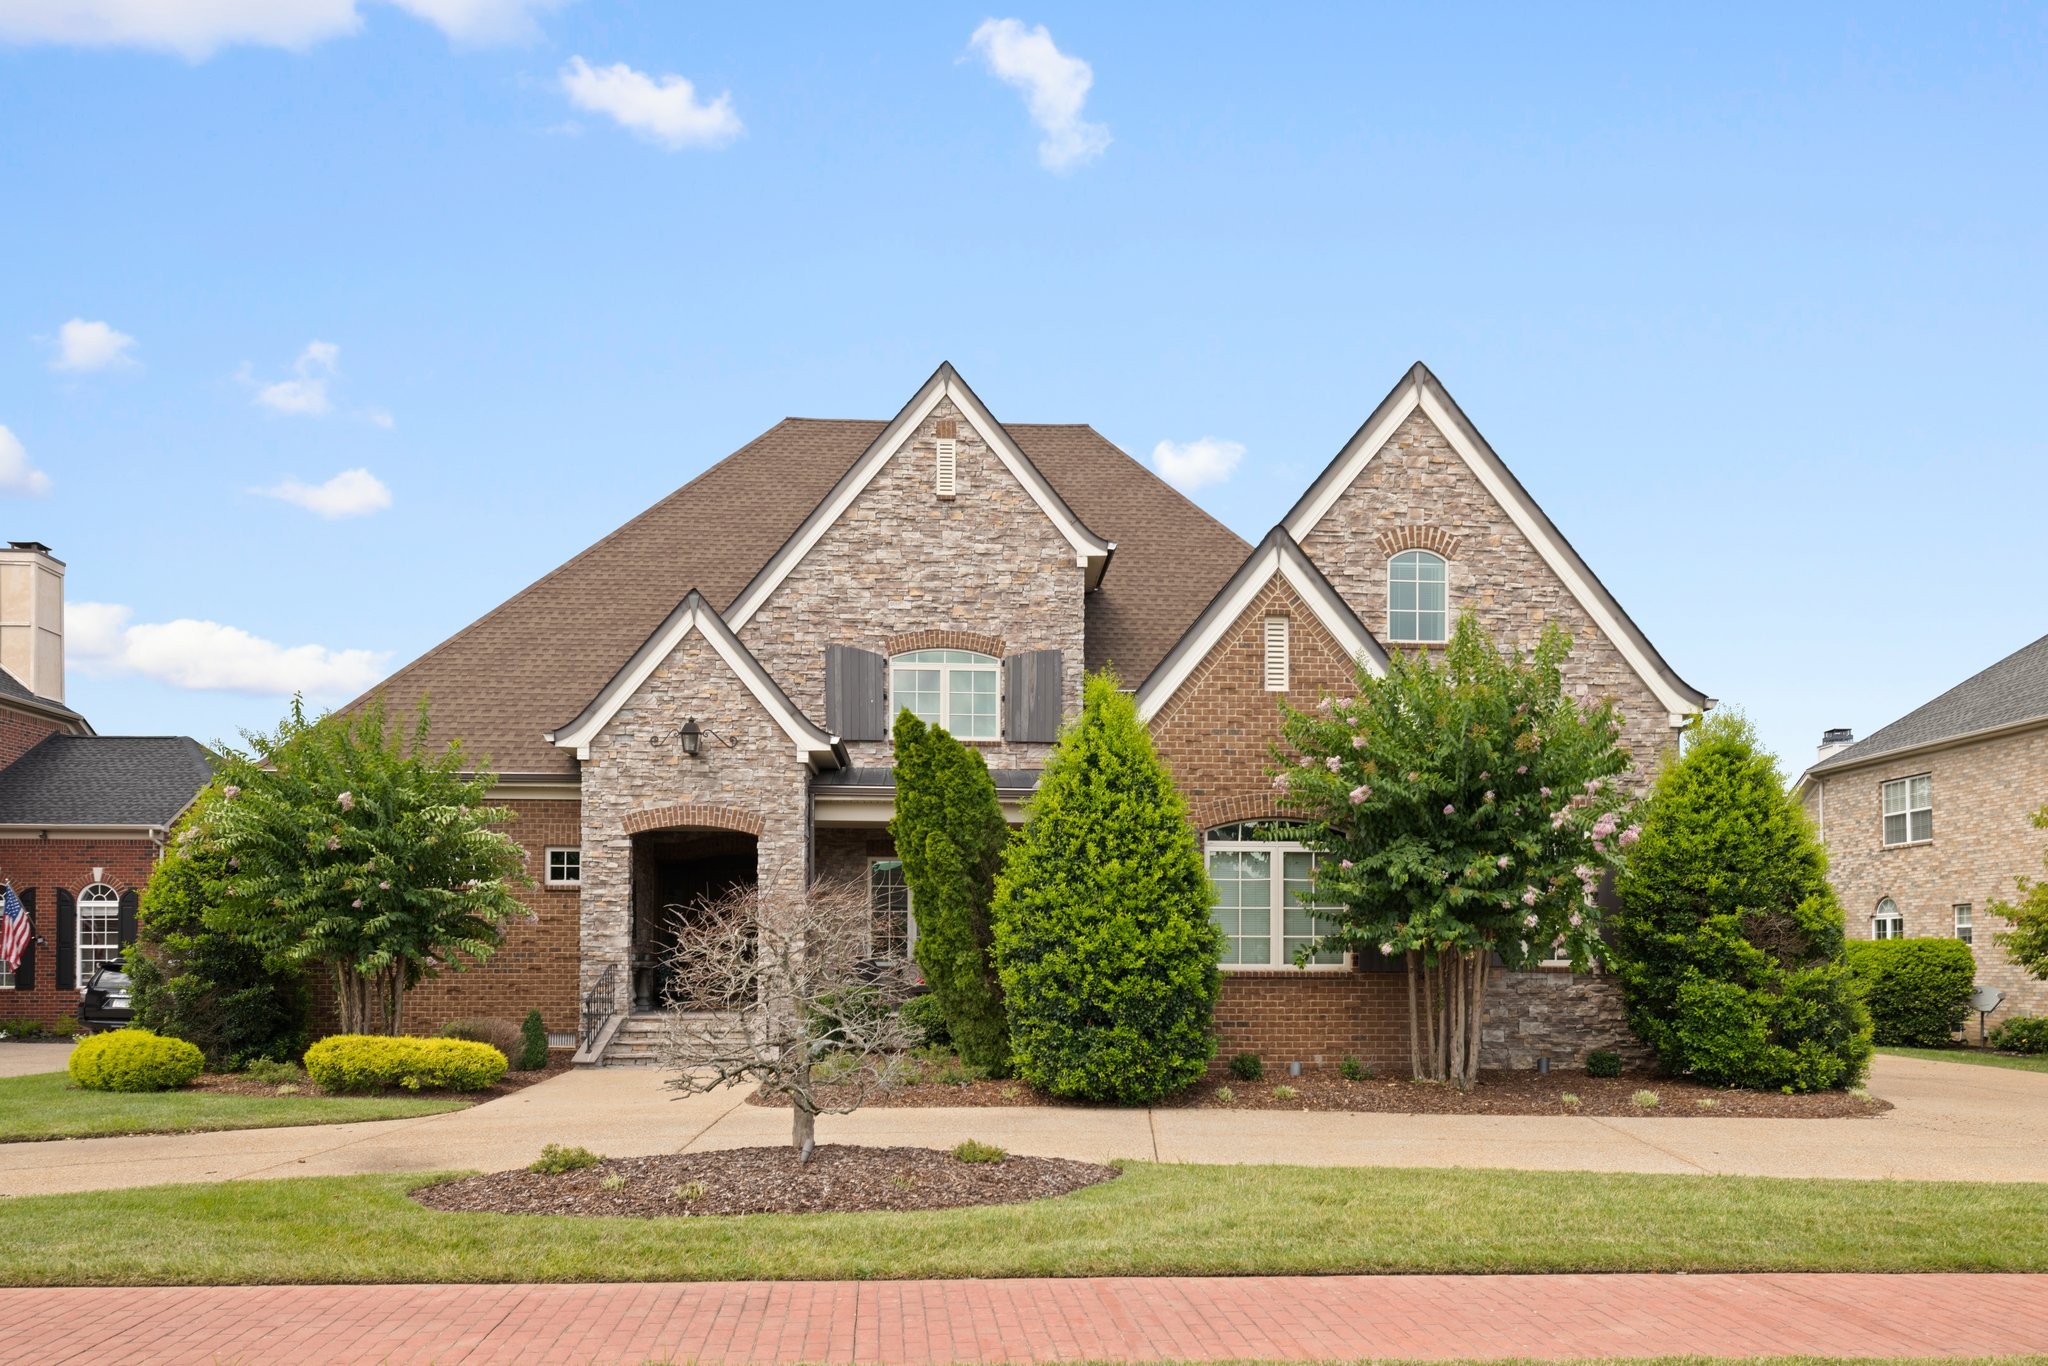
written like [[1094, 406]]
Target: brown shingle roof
[[533, 662]]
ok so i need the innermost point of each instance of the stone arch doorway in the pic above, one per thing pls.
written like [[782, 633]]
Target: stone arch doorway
[[676, 872]]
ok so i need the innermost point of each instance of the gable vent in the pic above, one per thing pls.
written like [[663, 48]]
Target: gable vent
[[949, 452], [1276, 654]]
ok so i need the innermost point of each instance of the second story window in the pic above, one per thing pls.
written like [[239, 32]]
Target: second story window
[[1963, 928], [1909, 809], [951, 688], [1418, 598]]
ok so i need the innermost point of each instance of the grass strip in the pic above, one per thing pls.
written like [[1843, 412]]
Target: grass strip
[[46, 1105], [1974, 1056], [1154, 1220]]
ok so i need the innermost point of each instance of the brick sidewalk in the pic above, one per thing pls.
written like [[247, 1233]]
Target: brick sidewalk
[[1138, 1319]]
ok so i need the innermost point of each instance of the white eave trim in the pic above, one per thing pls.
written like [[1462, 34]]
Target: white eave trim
[[1275, 557], [1414, 395], [1091, 552], [813, 745]]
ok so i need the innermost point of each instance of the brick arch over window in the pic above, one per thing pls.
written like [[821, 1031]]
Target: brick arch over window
[[694, 816], [1252, 806], [976, 641], [1435, 538]]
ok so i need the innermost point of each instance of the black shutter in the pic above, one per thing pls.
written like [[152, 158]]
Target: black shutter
[[855, 705], [1032, 681], [67, 939], [25, 975], [125, 926]]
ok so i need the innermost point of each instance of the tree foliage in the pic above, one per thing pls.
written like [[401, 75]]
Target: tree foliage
[[194, 982], [1729, 945], [1464, 807], [950, 833], [2026, 943], [1103, 938], [350, 850]]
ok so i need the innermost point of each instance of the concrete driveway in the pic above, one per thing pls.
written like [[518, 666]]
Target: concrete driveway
[[22, 1059], [1952, 1122]]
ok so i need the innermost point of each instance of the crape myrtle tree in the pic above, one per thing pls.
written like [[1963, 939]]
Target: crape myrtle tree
[[1463, 807], [349, 851], [950, 833], [1104, 940]]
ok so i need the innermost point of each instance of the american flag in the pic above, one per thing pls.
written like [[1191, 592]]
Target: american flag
[[13, 927]]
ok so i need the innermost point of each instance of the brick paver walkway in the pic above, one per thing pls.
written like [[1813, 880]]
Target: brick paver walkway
[[1135, 1319]]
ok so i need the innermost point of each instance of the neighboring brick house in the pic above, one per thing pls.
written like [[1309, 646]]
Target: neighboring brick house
[[703, 697], [1928, 820], [83, 817]]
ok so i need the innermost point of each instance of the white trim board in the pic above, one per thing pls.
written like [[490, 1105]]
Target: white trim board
[[813, 745], [1091, 552], [1416, 392]]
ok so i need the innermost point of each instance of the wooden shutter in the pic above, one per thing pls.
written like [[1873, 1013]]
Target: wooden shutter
[[1032, 681], [1276, 654], [25, 975], [67, 939], [125, 925], [948, 459], [856, 704]]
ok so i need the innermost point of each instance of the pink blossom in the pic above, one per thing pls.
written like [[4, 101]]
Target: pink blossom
[[1543, 791], [1484, 776], [1529, 921], [383, 886], [1489, 794], [1577, 919], [1524, 768], [1592, 784], [357, 903], [1502, 862], [1323, 705], [1358, 742], [231, 792], [1359, 794], [1529, 896], [1280, 781], [1344, 702], [346, 801], [1346, 864], [1333, 763], [334, 841], [1450, 810], [1632, 834], [1387, 949]]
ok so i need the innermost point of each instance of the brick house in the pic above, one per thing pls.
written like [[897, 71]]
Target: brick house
[[703, 697], [83, 816], [1928, 820]]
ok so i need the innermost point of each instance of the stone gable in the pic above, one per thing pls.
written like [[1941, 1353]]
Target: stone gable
[[1417, 491], [902, 560]]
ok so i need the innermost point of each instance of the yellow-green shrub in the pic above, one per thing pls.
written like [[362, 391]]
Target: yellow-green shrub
[[134, 1060], [371, 1062]]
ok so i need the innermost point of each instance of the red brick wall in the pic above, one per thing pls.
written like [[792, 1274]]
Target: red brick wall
[[20, 732], [50, 865], [1314, 1018]]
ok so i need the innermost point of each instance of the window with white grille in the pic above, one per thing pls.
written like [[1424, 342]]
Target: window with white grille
[[1909, 809], [1276, 654], [99, 929], [1887, 923], [1963, 928], [565, 867], [949, 457]]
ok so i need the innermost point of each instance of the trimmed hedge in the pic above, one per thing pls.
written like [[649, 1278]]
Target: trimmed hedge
[[2021, 1034], [134, 1060], [1918, 990], [372, 1062]]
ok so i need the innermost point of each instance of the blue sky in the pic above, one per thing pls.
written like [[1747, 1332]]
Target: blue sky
[[1752, 301]]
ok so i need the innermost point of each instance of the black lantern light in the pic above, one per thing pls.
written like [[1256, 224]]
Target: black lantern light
[[692, 737]]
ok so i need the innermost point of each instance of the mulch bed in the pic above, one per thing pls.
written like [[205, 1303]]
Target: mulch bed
[[839, 1178], [1497, 1093], [236, 1084]]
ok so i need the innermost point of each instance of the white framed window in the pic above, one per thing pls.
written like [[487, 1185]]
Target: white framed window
[[1909, 809], [951, 688], [1962, 913], [565, 867], [1276, 654], [99, 929], [1265, 888], [892, 929], [1887, 923], [1418, 598]]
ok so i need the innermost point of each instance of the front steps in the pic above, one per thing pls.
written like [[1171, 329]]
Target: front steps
[[635, 1040]]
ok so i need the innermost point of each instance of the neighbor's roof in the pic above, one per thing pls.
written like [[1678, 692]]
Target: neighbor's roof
[[504, 680], [103, 780], [2009, 693]]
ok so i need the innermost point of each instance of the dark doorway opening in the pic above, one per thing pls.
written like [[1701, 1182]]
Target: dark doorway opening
[[676, 873]]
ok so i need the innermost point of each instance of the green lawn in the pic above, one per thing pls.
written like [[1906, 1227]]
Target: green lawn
[[1154, 1220], [1975, 1056], [47, 1105]]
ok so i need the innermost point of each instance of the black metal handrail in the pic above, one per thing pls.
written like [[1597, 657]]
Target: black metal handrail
[[600, 1003]]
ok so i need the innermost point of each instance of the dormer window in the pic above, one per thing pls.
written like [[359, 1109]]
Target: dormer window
[[951, 688], [1418, 598]]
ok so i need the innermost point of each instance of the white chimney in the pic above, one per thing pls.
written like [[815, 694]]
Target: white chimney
[[1834, 741], [32, 617]]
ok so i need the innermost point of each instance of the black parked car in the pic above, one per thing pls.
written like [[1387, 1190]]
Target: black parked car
[[105, 1005]]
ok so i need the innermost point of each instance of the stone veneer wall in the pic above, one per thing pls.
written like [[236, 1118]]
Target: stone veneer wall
[[1984, 795], [1556, 1014], [635, 765], [901, 559], [1417, 491]]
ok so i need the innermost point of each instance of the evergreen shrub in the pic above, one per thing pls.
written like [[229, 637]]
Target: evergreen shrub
[[1918, 990], [373, 1062], [134, 1060]]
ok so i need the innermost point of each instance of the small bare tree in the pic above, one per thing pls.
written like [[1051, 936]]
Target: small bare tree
[[789, 1001]]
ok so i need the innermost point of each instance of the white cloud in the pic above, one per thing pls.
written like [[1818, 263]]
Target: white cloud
[[1189, 465], [207, 655], [380, 417], [90, 346], [665, 111], [196, 29], [16, 474], [305, 396], [352, 493], [1055, 87]]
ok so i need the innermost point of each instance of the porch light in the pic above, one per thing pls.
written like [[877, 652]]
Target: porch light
[[692, 738]]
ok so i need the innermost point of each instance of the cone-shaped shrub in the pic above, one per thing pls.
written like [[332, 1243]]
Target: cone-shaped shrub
[[1104, 944], [950, 832], [1728, 946]]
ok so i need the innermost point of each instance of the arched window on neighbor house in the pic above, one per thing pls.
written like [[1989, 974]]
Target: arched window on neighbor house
[[1886, 922]]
